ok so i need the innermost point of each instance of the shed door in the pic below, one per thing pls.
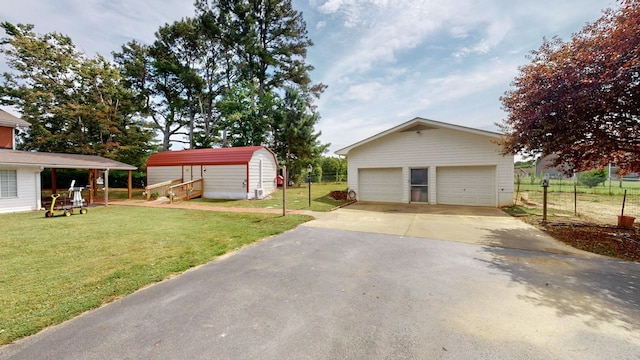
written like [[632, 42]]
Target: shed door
[[380, 184], [466, 185]]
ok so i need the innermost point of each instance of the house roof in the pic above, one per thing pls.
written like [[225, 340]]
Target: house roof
[[7, 119], [418, 124], [221, 156], [59, 161]]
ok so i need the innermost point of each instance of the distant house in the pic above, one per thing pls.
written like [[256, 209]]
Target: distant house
[[20, 184], [524, 172], [546, 169], [431, 162], [226, 173]]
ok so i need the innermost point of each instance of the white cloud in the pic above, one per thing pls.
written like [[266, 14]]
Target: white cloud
[[363, 92]]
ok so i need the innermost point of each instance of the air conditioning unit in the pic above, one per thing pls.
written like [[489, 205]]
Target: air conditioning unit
[[259, 194]]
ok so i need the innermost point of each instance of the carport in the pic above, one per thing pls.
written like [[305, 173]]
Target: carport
[[27, 163]]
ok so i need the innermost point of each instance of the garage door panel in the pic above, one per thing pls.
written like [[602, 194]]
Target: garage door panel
[[466, 185], [380, 184]]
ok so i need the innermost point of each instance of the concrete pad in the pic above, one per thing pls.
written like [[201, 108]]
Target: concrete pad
[[467, 224]]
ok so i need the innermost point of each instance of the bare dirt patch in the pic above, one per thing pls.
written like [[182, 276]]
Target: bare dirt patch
[[599, 239], [586, 221]]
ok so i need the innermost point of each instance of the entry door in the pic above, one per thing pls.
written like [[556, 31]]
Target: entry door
[[420, 185]]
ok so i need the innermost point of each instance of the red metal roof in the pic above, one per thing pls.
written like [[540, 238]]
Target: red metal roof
[[222, 156]]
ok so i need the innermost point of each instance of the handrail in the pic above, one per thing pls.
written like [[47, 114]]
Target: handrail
[[185, 191], [160, 188]]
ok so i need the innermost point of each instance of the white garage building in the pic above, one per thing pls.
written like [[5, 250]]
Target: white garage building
[[431, 162]]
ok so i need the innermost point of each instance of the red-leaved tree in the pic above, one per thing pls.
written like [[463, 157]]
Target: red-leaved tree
[[581, 99]]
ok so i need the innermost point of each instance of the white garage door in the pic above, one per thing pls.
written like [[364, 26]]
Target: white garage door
[[380, 185], [466, 185]]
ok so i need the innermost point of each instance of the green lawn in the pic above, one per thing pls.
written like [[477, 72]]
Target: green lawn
[[297, 199], [54, 269], [557, 185]]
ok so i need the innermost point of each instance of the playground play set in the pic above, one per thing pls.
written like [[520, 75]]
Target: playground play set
[[66, 208]]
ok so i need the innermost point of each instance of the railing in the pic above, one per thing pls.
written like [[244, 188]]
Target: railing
[[185, 191], [160, 189]]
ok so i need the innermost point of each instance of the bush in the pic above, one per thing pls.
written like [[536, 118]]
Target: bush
[[592, 178]]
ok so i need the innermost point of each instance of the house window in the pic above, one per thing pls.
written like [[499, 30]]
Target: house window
[[8, 184], [420, 185]]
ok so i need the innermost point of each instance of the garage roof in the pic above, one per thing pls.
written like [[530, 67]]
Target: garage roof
[[419, 124], [60, 161], [221, 156]]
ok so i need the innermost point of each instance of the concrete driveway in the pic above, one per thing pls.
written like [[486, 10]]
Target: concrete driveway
[[468, 224]]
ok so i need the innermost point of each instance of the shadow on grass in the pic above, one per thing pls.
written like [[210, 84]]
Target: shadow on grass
[[598, 290]]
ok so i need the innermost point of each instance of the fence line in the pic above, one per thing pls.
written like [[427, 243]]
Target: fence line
[[601, 203]]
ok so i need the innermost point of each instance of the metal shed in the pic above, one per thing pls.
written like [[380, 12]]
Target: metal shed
[[227, 173]]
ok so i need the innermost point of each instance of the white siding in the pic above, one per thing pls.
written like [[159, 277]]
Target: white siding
[[158, 174], [28, 191], [262, 164], [225, 182], [431, 149]]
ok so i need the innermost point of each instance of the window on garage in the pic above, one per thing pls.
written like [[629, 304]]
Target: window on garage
[[420, 185], [8, 184]]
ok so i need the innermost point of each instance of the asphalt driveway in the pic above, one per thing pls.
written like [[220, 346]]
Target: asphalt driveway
[[321, 293]]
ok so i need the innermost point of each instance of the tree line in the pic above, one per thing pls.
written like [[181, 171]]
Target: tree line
[[235, 74]]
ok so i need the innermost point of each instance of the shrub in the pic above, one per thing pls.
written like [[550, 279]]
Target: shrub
[[592, 178]]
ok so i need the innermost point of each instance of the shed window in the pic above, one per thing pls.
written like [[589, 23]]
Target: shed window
[[8, 184]]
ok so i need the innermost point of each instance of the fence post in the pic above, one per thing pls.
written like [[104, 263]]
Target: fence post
[[575, 199], [545, 185]]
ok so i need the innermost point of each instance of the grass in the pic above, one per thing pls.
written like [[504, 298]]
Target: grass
[[614, 188], [54, 269], [297, 198]]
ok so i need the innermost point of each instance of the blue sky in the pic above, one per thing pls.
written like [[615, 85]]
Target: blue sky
[[385, 61]]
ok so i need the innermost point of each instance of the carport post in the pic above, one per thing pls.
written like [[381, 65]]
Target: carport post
[[106, 187]]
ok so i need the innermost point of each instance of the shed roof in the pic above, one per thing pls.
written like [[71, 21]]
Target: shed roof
[[418, 124], [221, 156], [7, 119], [60, 161]]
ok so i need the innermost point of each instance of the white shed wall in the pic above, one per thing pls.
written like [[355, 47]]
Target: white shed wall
[[158, 174], [28, 183], [263, 171], [225, 181], [433, 148]]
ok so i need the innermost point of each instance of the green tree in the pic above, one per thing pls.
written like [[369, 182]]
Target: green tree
[[266, 39], [334, 168], [263, 46], [294, 139], [247, 115], [75, 104]]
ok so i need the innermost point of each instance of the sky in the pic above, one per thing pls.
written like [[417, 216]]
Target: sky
[[385, 61]]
